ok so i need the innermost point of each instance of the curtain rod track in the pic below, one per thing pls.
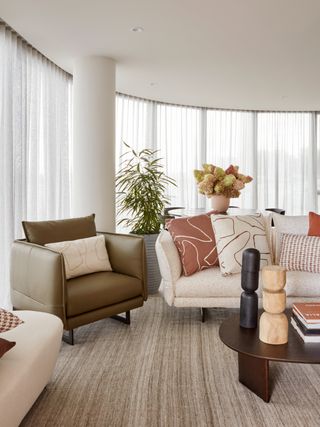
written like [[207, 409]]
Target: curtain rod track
[[238, 110], [2, 22]]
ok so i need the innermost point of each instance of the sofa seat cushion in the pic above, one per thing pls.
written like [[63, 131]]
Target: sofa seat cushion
[[97, 290], [211, 283], [302, 284], [27, 368], [208, 283]]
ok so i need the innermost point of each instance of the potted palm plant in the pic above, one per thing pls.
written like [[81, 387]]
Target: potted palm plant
[[141, 196]]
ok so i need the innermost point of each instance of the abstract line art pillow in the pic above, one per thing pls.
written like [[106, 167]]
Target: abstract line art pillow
[[195, 241], [234, 234], [83, 256]]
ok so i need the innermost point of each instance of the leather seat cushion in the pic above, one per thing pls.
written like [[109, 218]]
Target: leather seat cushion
[[97, 290]]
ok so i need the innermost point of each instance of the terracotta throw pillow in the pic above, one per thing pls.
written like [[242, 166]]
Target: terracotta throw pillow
[[5, 346], [234, 234], [314, 224], [8, 320], [195, 241], [300, 253]]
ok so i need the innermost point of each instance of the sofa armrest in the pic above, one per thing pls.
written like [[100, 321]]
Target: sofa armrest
[[37, 278], [127, 256], [168, 258]]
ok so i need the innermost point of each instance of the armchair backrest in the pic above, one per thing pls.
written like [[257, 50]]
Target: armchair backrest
[[42, 232]]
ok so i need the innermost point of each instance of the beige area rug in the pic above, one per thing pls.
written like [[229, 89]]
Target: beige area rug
[[167, 369]]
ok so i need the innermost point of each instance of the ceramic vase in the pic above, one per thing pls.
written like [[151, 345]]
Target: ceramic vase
[[220, 203]]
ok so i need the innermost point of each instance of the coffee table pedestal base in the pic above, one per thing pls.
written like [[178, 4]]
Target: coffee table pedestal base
[[254, 374]]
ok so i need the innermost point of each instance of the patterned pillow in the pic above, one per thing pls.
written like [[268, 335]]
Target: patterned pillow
[[83, 256], [300, 252], [5, 346], [234, 234], [289, 225], [195, 241], [8, 320]]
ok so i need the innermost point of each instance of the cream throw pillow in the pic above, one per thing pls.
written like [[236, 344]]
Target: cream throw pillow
[[83, 256], [234, 234]]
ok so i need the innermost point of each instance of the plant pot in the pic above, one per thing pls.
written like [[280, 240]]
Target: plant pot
[[153, 271], [220, 203]]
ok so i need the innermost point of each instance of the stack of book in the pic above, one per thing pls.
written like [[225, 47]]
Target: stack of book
[[306, 321]]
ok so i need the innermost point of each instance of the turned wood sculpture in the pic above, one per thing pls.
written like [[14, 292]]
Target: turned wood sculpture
[[249, 283], [274, 322]]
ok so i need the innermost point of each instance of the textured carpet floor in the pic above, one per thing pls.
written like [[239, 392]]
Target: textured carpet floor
[[167, 369]]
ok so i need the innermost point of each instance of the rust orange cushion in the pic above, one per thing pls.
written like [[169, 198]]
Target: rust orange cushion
[[195, 241], [314, 224], [5, 346]]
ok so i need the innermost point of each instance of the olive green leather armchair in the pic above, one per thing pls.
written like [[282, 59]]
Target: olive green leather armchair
[[38, 282]]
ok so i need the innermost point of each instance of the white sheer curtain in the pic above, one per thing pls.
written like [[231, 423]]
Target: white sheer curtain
[[179, 132], [231, 140], [278, 149], [287, 161], [34, 143]]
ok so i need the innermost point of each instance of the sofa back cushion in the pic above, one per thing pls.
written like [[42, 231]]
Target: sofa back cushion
[[83, 256], [42, 232], [300, 253], [235, 234], [314, 224], [195, 241], [287, 225]]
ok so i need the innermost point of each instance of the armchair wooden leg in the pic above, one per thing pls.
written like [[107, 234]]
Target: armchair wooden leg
[[125, 320], [203, 314], [69, 337]]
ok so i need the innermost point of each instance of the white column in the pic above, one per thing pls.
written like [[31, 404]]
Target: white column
[[93, 167]]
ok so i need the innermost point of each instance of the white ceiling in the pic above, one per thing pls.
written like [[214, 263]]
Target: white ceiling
[[247, 54]]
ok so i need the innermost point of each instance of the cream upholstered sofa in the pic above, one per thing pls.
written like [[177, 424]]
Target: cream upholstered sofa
[[208, 288], [27, 368]]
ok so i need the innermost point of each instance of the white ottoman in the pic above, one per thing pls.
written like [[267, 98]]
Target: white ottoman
[[27, 368]]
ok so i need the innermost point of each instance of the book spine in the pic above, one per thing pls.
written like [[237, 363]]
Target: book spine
[[304, 329], [309, 325], [294, 307], [305, 338]]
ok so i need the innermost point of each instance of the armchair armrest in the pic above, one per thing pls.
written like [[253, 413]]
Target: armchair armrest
[[127, 256], [37, 279]]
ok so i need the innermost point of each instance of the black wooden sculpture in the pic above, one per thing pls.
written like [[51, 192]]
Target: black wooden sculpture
[[249, 283]]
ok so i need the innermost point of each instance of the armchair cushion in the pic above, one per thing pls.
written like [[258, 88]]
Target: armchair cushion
[[83, 256], [42, 232], [97, 290]]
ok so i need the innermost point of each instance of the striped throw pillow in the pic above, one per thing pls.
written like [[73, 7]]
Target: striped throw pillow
[[300, 253]]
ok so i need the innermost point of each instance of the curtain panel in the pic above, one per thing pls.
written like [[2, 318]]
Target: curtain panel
[[34, 143], [278, 149]]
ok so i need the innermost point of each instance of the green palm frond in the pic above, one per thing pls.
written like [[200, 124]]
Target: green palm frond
[[141, 190]]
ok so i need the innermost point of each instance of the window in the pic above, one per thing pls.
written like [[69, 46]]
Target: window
[[277, 149]]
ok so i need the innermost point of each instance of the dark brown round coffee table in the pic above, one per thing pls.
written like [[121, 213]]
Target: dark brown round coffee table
[[254, 355]]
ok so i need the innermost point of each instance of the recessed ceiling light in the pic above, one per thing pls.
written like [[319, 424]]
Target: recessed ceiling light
[[137, 29]]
